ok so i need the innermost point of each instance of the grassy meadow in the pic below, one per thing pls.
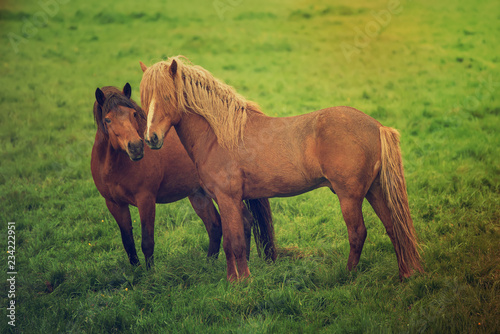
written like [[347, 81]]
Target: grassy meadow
[[428, 68]]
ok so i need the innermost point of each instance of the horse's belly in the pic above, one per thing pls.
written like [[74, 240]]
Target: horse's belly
[[281, 184], [170, 197], [298, 189]]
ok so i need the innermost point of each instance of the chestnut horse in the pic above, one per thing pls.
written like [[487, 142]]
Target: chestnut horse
[[127, 173], [240, 153]]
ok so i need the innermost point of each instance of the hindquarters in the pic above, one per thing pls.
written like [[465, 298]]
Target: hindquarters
[[361, 158], [348, 150]]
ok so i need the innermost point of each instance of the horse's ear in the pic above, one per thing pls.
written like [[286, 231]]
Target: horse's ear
[[100, 97], [127, 90], [173, 68], [143, 67]]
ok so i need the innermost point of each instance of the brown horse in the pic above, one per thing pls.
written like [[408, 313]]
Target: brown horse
[[127, 173], [240, 153]]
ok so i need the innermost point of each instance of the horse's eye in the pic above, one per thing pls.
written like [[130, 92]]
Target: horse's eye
[[107, 120], [135, 114]]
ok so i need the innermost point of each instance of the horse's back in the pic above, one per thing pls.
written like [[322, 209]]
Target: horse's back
[[343, 118], [347, 126]]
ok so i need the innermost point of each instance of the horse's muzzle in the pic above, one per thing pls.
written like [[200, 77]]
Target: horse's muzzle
[[135, 150], [154, 142]]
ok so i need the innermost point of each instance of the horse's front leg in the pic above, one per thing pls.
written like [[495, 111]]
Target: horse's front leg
[[121, 213], [204, 207], [234, 240], [147, 211]]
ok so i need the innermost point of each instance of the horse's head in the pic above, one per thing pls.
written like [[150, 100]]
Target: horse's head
[[159, 100], [171, 89], [119, 119]]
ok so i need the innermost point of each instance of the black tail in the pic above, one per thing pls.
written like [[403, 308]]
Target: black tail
[[263, 228]]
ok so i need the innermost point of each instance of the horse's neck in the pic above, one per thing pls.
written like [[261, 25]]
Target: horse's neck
[[195, 134], [101, 143], [108, 157], [141, 127]]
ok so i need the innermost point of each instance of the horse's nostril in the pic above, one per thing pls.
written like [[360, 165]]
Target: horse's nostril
[[136, 147], [153, 141]]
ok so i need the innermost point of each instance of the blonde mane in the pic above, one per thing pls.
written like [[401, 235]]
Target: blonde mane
[[194, 89]]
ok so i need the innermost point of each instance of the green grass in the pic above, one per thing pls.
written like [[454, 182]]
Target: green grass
[[432, 72]]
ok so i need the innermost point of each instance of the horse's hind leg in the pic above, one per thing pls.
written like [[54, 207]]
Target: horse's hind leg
[[121, 213], [376, 198], [351, 190], [205, 209], [353, 217]]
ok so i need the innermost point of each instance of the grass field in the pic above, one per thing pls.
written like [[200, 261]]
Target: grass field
[[427, 68]]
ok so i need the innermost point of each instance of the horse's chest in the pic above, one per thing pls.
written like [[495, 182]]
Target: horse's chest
[[117, 190], [121, 193]]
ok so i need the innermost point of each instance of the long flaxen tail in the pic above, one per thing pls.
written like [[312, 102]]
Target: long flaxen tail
[[263, 227], [394, 189]]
